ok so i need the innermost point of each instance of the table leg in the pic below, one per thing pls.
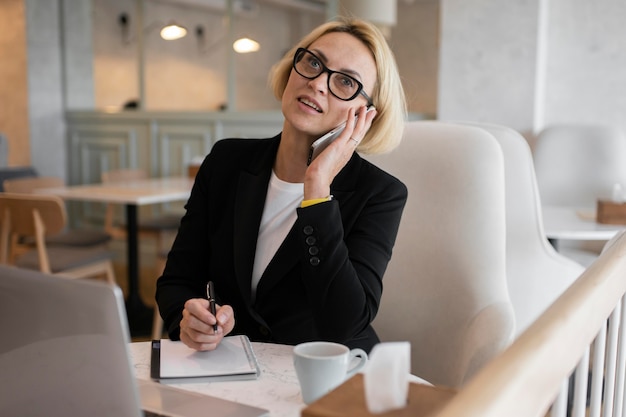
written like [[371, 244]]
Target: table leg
[[139, 315]]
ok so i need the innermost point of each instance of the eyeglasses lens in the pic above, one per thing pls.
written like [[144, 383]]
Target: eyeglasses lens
[[341, 85]]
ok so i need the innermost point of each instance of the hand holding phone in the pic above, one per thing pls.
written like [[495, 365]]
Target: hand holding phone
[[322, 143]]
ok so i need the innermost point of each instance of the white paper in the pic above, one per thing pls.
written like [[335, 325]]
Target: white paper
[[230, 358]]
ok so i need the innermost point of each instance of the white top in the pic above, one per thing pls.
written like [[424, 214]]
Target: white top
[[279, 215]]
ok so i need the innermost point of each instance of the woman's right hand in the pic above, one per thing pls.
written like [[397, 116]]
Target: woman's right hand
[[196, 327]]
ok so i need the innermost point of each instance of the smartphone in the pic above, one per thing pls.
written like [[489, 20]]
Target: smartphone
[[320, 144]]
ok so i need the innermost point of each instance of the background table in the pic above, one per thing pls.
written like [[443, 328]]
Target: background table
[[276, 389], [575, 223], [132, 194]]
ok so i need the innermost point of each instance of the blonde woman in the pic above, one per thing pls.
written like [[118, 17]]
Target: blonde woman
[[296, 251]]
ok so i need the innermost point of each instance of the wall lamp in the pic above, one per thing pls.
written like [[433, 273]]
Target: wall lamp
[[173, 31], [246, 45], [169, 32]]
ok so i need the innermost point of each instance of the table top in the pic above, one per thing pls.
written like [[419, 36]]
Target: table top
[[576, 223], [137, 192], [276, 389]]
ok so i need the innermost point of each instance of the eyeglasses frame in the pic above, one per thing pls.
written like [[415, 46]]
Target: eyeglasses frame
[[325, 69]]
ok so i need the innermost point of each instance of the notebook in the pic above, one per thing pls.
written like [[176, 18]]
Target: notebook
[[64, 352], [233, 359]]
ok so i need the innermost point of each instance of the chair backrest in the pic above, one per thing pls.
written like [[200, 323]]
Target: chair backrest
[[577, 164], [118, 175], [21, 208], [29, 184], [28, 215], [536, 274], [445, 288]]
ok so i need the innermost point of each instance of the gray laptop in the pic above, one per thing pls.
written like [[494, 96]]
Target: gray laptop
[[64, 352]]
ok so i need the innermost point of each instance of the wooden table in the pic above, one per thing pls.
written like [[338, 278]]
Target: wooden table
[[132, 194]]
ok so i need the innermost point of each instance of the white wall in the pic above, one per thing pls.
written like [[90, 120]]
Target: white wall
[[45, 88], [499, 65], [487, 61], [586, 64]]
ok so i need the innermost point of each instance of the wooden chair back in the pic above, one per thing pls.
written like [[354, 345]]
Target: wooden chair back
[[30, 215]]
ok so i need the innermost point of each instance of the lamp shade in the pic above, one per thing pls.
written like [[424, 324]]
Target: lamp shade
[[382, 13]]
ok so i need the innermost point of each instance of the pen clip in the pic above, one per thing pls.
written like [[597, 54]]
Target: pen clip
[[210, 291]]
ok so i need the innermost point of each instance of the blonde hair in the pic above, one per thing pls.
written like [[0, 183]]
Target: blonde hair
[[388, 94]]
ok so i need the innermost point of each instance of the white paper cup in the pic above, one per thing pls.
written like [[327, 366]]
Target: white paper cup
[[322, 366]]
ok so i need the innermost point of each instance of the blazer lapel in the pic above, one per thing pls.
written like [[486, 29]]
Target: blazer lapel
[[248, 210], [288, 254]]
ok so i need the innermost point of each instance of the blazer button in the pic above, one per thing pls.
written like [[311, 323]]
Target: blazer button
[[310, 240], [264, 331], [308, 230], [314, 261], [314, 250]]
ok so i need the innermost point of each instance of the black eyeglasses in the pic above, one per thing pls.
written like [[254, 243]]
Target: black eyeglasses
[[340, 85]]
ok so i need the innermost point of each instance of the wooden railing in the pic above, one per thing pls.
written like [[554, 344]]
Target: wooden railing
[[548, 370]]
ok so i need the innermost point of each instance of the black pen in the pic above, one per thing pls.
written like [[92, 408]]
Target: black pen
[[210, 294]]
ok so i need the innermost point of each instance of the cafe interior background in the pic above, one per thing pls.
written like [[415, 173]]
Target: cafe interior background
[[67, 67]]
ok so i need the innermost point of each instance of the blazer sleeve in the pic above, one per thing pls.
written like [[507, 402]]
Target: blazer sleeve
[[346, 245]]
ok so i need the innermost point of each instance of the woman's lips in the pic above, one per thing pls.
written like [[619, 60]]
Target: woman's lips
[[310, 103]]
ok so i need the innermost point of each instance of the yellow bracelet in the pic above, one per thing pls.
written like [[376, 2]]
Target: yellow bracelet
[[307, 203]]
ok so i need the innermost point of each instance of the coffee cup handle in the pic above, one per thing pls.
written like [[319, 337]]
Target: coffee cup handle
[[362, 355]]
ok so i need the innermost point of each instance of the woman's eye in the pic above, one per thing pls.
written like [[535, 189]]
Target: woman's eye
[[314, 63], [346, 81]]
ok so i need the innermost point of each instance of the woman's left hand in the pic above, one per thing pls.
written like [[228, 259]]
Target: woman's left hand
[[322, 171]]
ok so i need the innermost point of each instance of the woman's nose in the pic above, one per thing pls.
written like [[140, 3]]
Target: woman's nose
[[320, 83]]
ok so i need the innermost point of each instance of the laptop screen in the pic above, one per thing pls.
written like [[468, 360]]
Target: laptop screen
[[64, 352], [64, 347]]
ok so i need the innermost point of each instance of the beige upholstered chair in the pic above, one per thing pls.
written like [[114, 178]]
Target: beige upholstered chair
[[38, 216], [68, 236], [581, 331], [575, 165], [153, 228], [536, 274], [445, 289]]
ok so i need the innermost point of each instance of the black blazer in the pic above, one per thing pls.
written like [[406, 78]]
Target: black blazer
[[325, 281]]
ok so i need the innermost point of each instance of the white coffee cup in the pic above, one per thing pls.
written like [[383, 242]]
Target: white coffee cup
[[322, 366]]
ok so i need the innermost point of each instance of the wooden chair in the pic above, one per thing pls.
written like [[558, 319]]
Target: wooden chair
[[39, 216], [67, 236], [153, 228]]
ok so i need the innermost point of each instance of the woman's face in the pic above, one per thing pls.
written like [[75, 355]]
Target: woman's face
[[307, 105]]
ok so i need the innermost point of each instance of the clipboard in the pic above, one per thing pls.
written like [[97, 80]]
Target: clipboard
[[173, 361]]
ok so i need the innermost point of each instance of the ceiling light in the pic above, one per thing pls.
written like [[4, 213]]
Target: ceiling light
[[173, 31], [245, 45]]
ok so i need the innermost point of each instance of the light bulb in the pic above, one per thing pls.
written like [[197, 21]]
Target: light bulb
[[172, 32], [245, 45]]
